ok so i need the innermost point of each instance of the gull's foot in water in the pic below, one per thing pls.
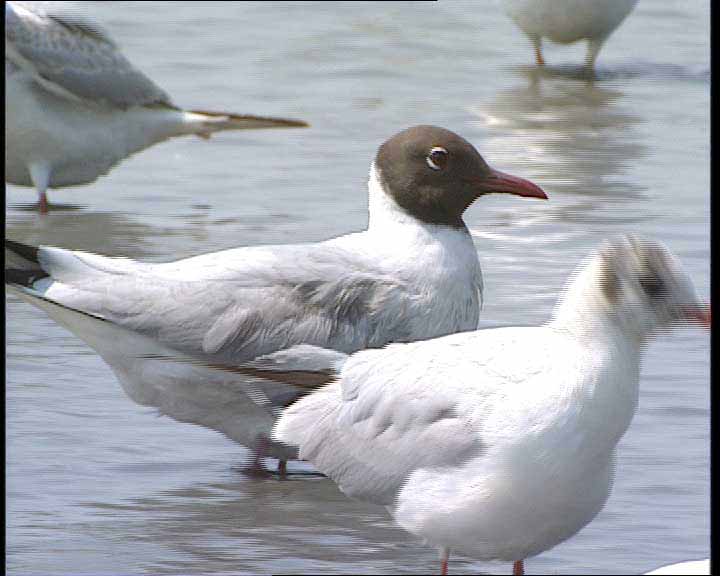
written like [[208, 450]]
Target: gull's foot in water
[[258, 472], [44, 208]]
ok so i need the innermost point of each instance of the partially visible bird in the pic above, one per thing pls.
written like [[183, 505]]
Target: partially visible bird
[[75, 106], [413, 274], [567, 21], [689, 568], [499, 443]]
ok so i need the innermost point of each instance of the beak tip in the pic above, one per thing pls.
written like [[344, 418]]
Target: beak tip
[[501, 182]]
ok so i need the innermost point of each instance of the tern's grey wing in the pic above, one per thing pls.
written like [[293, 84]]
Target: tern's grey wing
[[382, 421], [72, 57]]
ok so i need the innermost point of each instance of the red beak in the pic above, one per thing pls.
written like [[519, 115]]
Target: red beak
[[498, 181], [700, 315]]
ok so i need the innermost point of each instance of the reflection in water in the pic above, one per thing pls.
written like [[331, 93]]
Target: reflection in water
[[661, 71], [111, 234], [573, 137], [248, 526]]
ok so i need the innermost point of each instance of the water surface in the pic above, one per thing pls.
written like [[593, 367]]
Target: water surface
[[99, 485]]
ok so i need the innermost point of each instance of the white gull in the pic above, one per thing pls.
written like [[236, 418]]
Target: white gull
[[499, 443]]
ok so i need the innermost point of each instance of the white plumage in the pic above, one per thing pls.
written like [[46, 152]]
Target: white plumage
[[499, 443], [689, 568], [75, 106], [174, 333], [567, 21]]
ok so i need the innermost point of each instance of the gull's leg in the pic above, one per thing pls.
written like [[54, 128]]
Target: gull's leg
[[518, 568], [594, 45], [537, 44], [282, 468], [257, 468], [40, 175], [444, 555]]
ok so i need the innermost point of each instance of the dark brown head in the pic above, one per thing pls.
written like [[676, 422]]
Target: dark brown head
[[434, 175]]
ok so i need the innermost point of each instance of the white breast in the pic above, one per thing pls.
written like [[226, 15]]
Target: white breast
[[78, 140]]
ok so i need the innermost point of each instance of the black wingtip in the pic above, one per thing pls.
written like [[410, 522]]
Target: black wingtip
[[23, 277], [29, 253]]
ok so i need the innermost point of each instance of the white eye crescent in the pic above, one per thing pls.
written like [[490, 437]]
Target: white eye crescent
[[437, 158]]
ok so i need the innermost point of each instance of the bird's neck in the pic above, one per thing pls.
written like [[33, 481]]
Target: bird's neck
[[387, 218], [585, 311]]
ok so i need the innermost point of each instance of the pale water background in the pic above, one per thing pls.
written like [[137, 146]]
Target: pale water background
[[99, 485]]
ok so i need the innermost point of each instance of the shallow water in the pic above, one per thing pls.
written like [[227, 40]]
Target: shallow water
[[98, 485]]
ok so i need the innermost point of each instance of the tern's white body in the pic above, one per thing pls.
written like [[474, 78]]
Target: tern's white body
[[75, 106], [567, 21], [72, 141]]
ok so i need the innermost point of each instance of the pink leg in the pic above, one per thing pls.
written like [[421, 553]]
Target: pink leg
[[257, 466], [43, 203], [444, 556], [40, 176], [518, 568], [537, 44]]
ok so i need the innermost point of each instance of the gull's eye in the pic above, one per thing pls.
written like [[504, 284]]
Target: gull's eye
[[437, 159], [652, 285]]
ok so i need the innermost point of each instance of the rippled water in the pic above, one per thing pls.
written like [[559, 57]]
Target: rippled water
[[99, 485]]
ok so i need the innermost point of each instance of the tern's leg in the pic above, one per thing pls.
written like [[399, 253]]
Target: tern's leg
[[444, 556], [518, 568], [594, 45], [537, 44], [40, 175]]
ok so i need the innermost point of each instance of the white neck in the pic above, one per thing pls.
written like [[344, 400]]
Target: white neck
[[383, 211], [584, 311]]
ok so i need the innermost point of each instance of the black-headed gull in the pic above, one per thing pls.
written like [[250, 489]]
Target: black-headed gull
[[567, 21], [413, 274], [75, 106], [688, 568], [499, 443]]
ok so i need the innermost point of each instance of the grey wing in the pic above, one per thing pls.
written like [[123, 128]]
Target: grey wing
[[238, 305], [368, 436], [74, 58]]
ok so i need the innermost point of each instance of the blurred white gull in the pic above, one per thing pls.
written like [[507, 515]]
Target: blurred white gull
[[567, 21], [689, 568], [75, 106], [499, 443], [173, 333]]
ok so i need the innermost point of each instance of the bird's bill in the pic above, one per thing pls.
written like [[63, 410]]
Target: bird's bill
[[250, 122], [230, 121], [497, 181], [699, 314]]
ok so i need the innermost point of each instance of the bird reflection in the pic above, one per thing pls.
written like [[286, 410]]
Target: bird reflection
[[576, 138]]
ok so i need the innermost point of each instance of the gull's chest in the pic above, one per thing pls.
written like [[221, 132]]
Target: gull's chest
[[445, 281]]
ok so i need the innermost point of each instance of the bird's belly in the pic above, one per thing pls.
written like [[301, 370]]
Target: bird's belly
[[225, 403], [566, 21], [78, 142], [494, 515]]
